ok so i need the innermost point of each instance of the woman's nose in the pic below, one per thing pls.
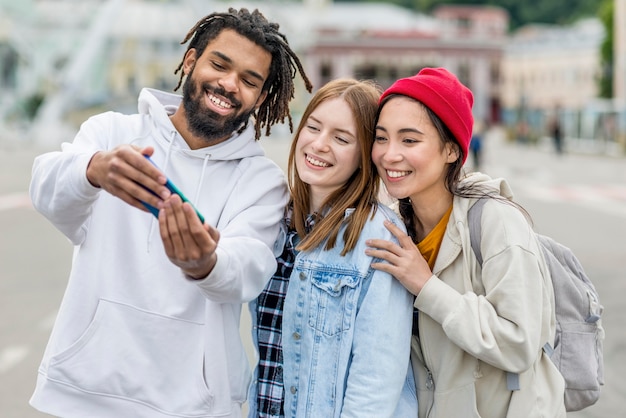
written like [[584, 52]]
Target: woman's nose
[[391, 153], [321, 143]]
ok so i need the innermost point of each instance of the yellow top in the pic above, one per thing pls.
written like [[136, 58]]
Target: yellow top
[[429, 246]]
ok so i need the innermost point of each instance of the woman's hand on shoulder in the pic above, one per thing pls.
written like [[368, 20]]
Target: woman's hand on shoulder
[[403, 260]]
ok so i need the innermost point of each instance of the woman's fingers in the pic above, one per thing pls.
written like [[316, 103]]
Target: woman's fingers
[[404, 240]]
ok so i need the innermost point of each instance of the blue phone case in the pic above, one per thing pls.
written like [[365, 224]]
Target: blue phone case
[[172, 189]]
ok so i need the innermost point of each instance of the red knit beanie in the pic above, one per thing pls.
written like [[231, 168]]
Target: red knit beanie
[[440, 91]]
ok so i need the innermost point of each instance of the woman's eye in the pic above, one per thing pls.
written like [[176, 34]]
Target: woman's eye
[[312, 128], [379, 138], [342, 140]]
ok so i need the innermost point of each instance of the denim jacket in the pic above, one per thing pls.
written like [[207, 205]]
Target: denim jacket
[[346, 333]]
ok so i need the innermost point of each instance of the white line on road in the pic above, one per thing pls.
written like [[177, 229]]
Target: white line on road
[[15, 201], [11, 356], [608, 199]]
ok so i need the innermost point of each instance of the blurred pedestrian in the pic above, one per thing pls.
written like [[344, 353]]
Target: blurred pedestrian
[[149, 324], [476, 144], [522, 131], [473, 325], [556, 131], [340, 346]]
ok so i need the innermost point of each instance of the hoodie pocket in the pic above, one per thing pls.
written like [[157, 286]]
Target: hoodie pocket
[[333, 299], [140, 356]]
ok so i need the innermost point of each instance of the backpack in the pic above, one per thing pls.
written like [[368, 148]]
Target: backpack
[[577, 347]]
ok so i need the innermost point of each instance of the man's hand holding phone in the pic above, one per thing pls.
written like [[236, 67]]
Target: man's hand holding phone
[[174, 190], [125, 173], [128, 173], [188, 243]]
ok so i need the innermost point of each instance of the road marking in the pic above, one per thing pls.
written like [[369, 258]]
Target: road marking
[[604, 198], [11, 356], [15, 201]]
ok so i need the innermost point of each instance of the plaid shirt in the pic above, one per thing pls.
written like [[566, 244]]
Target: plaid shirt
[[270, 390]]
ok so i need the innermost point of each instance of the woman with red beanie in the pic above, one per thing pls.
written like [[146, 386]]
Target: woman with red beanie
[[478, 332]]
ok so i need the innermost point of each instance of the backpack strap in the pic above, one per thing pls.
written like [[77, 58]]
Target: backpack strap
[[474, 216], [547, 348]]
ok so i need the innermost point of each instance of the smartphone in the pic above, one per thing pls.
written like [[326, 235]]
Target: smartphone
[[172, 188]]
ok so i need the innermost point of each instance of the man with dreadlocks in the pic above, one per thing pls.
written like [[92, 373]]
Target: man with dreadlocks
[[149, 324]]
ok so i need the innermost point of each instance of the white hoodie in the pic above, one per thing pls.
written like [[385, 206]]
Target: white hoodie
[[134, 337]]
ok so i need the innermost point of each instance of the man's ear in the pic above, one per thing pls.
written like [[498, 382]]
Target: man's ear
[[261, 99], [189, 62]]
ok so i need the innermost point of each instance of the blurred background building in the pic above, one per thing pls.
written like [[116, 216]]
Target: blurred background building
[[548, 69], [62, 60]]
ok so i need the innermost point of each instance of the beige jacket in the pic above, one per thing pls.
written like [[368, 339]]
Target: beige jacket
[[474, 327]]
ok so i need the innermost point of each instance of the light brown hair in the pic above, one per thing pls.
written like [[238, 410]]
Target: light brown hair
[[361, 189]]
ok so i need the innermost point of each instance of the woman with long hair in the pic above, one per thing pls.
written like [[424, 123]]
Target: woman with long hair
[[333, 334]]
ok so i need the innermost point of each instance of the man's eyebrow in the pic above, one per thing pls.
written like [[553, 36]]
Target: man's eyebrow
[[230, 61]]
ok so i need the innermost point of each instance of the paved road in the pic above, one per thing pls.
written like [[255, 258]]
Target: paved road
[[578, 199]]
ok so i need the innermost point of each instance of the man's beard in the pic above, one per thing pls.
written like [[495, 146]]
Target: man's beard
[[205, 122]]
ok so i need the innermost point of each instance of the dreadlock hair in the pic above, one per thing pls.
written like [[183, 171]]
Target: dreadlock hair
[[358, 192], [280, 82]]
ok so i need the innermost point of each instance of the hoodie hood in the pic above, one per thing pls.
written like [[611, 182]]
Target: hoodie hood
[[161, 105]]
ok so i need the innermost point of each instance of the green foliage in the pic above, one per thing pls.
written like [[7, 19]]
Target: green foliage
[[606, 50], [520, 12], [31, 105]]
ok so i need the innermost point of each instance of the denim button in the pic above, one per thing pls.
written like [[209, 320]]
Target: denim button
[[293, 389], [296, 336], [302, 276]]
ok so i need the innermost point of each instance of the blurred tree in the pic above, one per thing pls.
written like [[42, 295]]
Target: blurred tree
[[606, 51], [28, 106]]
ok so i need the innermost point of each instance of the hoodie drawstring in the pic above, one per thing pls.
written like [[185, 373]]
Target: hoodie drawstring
[[199, 188], [164, 169]]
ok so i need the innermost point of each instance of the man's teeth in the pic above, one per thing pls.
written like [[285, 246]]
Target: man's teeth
[[317, 162], [219, 102], [396, 174]]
